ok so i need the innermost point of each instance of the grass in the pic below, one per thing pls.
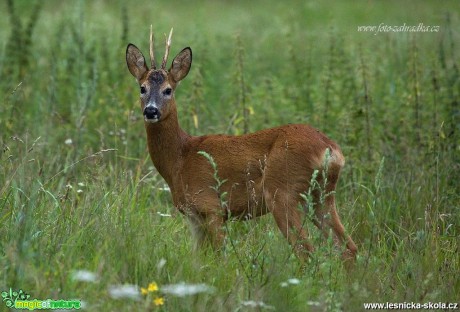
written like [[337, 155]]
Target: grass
[[78, 190]]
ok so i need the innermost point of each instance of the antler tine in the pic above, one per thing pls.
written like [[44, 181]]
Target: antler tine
[[168, 46], [152, 55]]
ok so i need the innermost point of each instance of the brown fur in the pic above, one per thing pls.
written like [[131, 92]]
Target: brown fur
[[265, 171]]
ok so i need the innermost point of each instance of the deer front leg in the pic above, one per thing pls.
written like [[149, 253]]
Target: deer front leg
[[198, 232], [207, 230], [215, 231]]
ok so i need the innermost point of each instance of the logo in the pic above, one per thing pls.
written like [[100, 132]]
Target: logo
[[21, 300]]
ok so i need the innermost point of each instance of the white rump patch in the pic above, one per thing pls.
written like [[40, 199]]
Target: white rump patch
[[333, 156]]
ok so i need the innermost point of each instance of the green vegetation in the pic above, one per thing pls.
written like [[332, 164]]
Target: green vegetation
[[79, 192]]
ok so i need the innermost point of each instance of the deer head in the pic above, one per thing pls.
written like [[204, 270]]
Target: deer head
[[157, 86]]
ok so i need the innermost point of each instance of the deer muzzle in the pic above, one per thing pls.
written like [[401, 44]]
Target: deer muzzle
[[151, 113]]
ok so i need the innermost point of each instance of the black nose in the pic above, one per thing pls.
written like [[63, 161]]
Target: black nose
[[151, 112]]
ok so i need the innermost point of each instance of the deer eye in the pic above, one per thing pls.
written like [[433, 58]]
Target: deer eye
[[143, 90], [167, 92]]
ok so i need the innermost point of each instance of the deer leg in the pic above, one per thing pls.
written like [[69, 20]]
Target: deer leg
[[214, 224], [328, 219], [199, 232], [289, 221], [207, 230]]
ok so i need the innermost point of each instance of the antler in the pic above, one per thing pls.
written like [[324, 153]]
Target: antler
[[152, 55], [168, 45]]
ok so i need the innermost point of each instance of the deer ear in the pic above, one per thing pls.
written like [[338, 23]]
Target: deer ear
[[181, 64], [135, 61]]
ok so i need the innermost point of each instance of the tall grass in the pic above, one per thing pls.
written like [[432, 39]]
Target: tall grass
[[78, 191]]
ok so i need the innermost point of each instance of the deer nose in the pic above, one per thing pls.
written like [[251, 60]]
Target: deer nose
[[151, 112]]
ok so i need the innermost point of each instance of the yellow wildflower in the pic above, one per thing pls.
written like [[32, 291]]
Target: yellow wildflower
[[144, 291], [152, 287], [159, 301]]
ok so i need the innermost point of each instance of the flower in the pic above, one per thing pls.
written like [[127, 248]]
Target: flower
[[152, 287], [291, 281], [84, 276], [182, 289], [126, 291], [144, 291], [159, 301], [257, 304]]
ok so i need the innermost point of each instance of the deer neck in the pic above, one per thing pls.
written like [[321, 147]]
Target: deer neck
[[166, 143]]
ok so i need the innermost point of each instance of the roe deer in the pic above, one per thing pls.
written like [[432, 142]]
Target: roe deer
[[264, 172]]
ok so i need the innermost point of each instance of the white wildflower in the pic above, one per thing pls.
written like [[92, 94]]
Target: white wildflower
[[293, 281], [257, 304], [126, 291], [84, 276], [182, 289], [314, 303]]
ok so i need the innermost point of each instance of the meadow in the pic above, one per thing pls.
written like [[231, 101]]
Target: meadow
[[83, 211]]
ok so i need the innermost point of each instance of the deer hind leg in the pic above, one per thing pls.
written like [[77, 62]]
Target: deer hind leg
[[326, 214], [289, 220]]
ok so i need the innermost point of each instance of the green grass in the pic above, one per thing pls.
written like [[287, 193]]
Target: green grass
[[79, 192]]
